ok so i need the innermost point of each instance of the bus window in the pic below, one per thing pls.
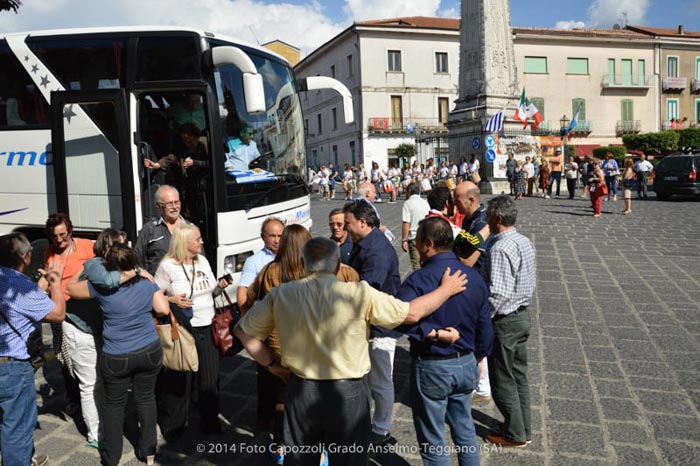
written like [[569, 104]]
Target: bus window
[[265, 154], [21, 103], [174, 129], [167, 58], [84, 64]]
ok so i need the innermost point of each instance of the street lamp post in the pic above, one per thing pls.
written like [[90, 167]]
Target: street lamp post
[[564, 132]]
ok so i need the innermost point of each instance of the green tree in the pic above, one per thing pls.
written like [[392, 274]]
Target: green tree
[[406, 151], [7, 5], [653, 143]]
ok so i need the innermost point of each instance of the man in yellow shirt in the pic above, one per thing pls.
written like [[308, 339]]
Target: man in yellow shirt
[[323, 327]]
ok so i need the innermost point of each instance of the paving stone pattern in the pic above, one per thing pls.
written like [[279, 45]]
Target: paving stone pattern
[[613, 356]]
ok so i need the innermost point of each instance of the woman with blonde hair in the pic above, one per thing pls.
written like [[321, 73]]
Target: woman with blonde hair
[[287, 266], [189, 283]]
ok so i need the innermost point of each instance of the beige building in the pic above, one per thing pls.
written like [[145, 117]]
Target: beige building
[[403, 74], [607, 74]]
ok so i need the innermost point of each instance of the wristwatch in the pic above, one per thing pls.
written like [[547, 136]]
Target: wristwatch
[[137, 270], [272, 363]]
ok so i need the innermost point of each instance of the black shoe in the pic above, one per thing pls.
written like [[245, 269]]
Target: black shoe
[[382, 440]]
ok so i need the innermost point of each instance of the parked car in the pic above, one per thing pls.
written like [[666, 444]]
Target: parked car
[[677, 174]]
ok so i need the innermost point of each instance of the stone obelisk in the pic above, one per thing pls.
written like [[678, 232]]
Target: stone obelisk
[[488, 80]]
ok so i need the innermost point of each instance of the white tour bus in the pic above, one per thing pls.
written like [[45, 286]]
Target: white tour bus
[[80, 110]]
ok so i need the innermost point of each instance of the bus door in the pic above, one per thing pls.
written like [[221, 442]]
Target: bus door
[[174, 131], [92, 159]]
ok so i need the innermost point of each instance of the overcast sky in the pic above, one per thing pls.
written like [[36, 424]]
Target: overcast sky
[[308, 24]]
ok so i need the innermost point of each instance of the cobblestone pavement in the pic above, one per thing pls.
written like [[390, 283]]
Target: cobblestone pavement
[[614, 368]]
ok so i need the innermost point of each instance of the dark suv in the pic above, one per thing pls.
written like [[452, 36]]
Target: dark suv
[[677, 174]]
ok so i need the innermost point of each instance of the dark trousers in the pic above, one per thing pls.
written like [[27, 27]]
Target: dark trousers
[[508, 374], [327, 412], [207, 378], [271, 395], [173, 396], [642, 180], [554, 176], [571, 187], [138, 370]]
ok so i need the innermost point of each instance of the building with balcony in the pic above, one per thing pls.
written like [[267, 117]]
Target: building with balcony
[[678, 59], [403, 76], [607, 74]]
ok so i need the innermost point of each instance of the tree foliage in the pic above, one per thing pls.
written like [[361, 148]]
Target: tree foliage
[[618, 152], [688, 138], [653, 143], [406, 151], [7, 5]]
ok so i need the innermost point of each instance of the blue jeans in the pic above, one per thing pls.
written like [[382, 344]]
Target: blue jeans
[[19, 413], [611, 181], [442, 389], [554, 176]]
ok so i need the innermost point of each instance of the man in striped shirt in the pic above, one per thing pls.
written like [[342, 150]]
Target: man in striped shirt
[[509, 269]]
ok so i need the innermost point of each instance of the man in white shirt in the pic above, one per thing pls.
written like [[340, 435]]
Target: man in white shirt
[[414, 210], [643, 167]]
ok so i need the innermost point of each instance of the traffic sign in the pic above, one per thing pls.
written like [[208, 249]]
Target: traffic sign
[[476, 143], [489, 141], [491, 155]]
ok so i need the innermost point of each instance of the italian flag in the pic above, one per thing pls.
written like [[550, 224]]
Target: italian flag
[[528, 111]]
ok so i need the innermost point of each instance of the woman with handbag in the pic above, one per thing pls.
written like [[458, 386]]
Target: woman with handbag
[[186, 277], [598, 188], [132, 354], [612, 171], [287, 266]]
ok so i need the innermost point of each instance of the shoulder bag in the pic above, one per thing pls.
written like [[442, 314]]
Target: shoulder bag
[[225, 319], [179, 349]]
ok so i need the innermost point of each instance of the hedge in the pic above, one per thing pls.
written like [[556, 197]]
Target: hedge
[[617, 152], [653, 143]]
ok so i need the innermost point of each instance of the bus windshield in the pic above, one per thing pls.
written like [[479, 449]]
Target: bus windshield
[[265, 154]]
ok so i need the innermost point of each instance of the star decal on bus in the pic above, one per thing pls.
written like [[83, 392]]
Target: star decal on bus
[[35, 69], [45, 80], [68, 112]]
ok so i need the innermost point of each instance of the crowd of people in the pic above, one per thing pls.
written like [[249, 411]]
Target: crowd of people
[[321, 316], [393, 180]]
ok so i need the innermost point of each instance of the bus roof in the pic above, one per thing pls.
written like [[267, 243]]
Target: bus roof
[[132, 29]]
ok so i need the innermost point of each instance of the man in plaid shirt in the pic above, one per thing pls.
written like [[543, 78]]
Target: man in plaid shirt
[[509, 269]]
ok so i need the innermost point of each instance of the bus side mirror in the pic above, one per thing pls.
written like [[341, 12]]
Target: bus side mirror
[[322, 82], [253, 88]]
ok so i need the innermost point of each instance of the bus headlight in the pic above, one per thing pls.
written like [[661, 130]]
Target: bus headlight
[[234, 264]]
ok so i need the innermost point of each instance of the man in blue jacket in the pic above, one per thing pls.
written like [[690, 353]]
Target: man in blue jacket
[[446, 347]]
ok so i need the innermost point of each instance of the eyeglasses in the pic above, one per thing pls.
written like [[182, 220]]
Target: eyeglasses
[[169, 204], [61, 236]]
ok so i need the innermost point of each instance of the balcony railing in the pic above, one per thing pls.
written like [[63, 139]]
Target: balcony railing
[[620, 81], [406, 125], [695, 85], [628, 126], [674, 84], [665, 125], [583, 128]]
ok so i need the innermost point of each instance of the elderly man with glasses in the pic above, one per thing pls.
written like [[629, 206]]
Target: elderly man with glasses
[[154, 238]]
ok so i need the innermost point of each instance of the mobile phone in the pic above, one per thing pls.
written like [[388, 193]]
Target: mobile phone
[[228, 277]]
